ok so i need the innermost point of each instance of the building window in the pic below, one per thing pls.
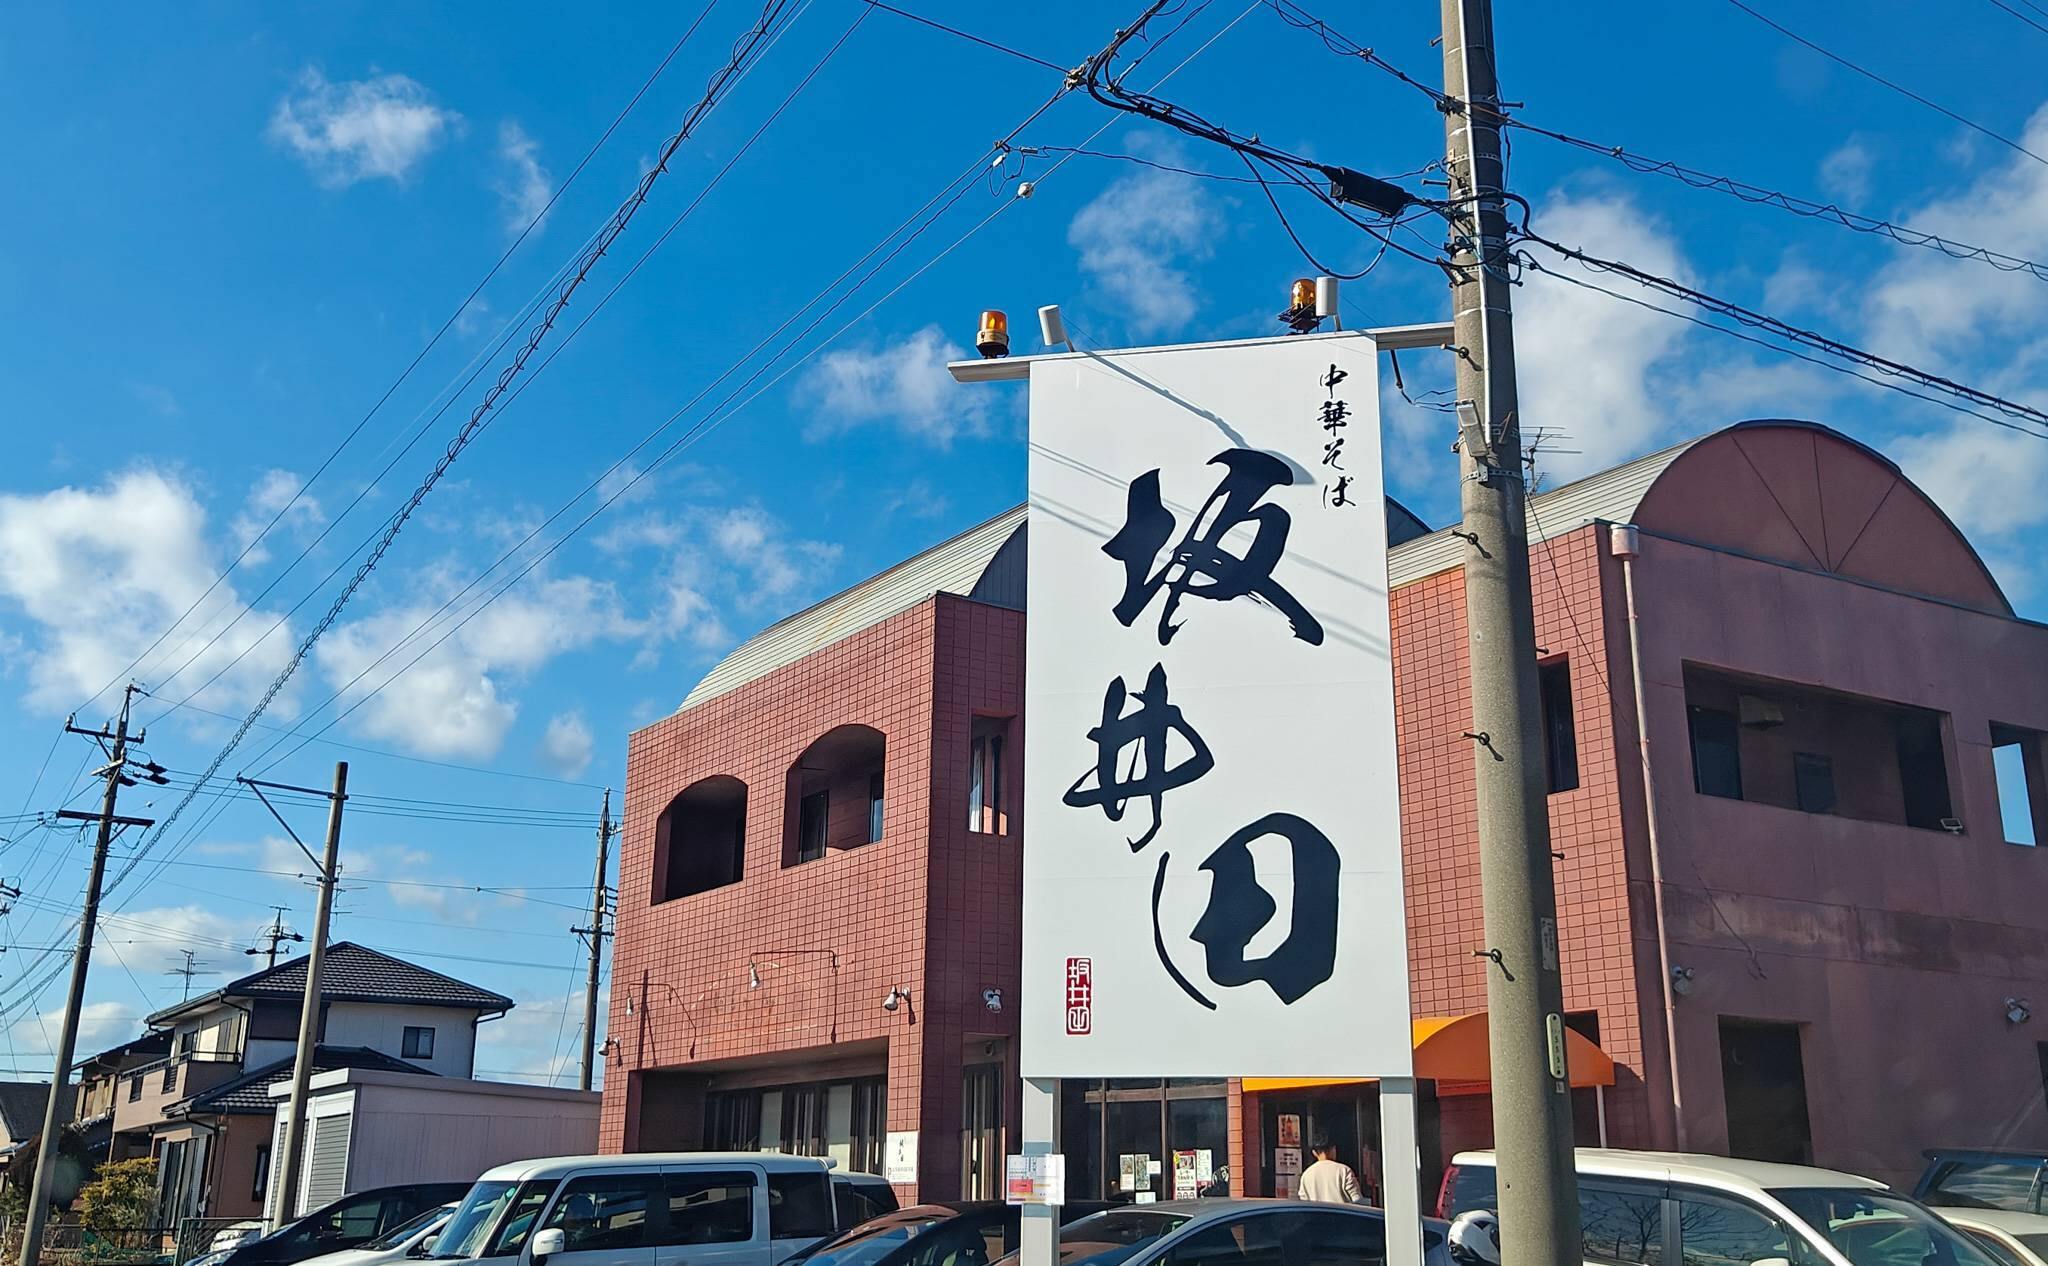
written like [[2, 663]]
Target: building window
[[170, 1081], [1104, 1124], [135, 1087], [1813, 780], [700, 840], [987, 810], [1716, 756], [732, 1121], [419, 1042], [2016, 759], [1818, 751], [813, 812], [261, 1184], [834, 796], [1560, 734]]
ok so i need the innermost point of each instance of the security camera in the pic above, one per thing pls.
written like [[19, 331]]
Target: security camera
[[992, 999]]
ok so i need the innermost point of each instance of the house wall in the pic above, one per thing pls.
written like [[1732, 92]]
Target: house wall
[[242, 1139], [1893, 948], [381, 1027]]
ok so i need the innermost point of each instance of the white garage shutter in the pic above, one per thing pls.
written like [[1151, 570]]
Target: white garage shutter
[[327, 1163]]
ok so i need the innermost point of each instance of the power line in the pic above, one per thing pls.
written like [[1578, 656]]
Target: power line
[[1874, 77], [725, 409], [2030, 21], [1054, 67], [1819, 342], [1758, 195], [742, 52], [431, 343]]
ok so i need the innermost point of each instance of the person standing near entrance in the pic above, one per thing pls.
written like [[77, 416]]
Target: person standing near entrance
[[1329, 1180]]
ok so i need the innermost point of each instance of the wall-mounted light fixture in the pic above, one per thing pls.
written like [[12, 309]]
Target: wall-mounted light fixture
[[2018, 1011], [753, 975], [895, 998]]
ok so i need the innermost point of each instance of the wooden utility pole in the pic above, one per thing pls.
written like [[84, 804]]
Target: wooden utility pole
[[57, 1112], [309, 1006], [599, 898], [1539, 1206]]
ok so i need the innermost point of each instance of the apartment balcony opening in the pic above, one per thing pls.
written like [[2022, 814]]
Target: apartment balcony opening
[[700, 840], [835, 794], [1818, 751]]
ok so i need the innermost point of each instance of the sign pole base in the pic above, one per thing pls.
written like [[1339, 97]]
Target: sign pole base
[[1038, 1235], [1401, 1165]]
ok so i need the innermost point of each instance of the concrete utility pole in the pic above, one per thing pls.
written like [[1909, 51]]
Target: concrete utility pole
[[598, 900], [276, 934], [309, 1007], [1539, 1206], [58, 1111]]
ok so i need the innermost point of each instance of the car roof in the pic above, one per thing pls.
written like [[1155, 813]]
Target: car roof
[[558, 1166], [1696, 1167], [853, 1176], [2011, 1221], [1985, 1153], [1209, 1209]]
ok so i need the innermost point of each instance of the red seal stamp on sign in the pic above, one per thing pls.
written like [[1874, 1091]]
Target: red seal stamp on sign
[[1080, 997]]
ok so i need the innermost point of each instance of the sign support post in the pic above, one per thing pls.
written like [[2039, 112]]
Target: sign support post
[[1038, 1236], [1400, 1179]]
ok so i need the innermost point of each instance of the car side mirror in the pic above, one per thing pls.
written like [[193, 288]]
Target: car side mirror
[[424, 1247], [549, 1242]]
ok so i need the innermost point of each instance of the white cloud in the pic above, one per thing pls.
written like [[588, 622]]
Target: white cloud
[[364, 129], [1137, 237], [1845, 172], [1926, 307], [775, 565], [450, 703], [100, 1025], [1584, 359], [99, 572], [270, 496], [525, 186], [566, 745], [904, 384]]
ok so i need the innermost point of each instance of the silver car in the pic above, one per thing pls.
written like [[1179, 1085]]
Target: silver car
[[1237, 1232]]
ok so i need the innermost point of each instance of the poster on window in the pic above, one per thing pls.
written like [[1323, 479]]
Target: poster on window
[[1212, 830]]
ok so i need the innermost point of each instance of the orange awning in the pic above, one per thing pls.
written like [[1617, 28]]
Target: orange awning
[[1452, 1051]]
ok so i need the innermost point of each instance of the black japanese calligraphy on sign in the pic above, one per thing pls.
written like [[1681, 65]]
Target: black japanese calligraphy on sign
[[1151, 771], [1335, 415], [1201, 565]]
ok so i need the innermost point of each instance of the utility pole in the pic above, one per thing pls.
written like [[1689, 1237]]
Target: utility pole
[[1539, 1206], [309, 1004], [599, 895], [58, 1111], [276, 934]]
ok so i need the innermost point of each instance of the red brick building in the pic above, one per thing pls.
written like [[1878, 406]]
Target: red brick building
[[819, 877]]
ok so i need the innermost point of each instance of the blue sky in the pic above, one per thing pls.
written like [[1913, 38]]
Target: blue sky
[[234, 225]]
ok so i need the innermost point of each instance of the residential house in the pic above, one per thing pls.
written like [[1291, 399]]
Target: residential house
[[99, 1079], [203, 1109], [22, 1104]]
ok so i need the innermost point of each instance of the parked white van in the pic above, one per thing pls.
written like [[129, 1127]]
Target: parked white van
[[643, 1209], [1682, 1209]]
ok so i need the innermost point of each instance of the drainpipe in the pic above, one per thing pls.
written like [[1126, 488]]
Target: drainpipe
[[1623, 542]]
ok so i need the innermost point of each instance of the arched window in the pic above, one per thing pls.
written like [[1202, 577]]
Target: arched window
[[700, 840], [835, 794]]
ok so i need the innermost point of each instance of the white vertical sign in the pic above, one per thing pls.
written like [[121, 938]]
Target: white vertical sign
[[1212, 856]]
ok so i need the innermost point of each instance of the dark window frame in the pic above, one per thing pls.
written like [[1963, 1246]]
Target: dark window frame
[[1560, 726], [410, 1043], [810, 849], [261, 1186]]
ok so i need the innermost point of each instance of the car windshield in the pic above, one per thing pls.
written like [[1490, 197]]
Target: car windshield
[[400, 1234], [493, 1219], [1879, 1228], [1107, 1238], [870, 1242]]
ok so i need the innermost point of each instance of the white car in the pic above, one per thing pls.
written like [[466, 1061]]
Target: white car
[[1657, 1208], [408, 1241], [2015, 1239]]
